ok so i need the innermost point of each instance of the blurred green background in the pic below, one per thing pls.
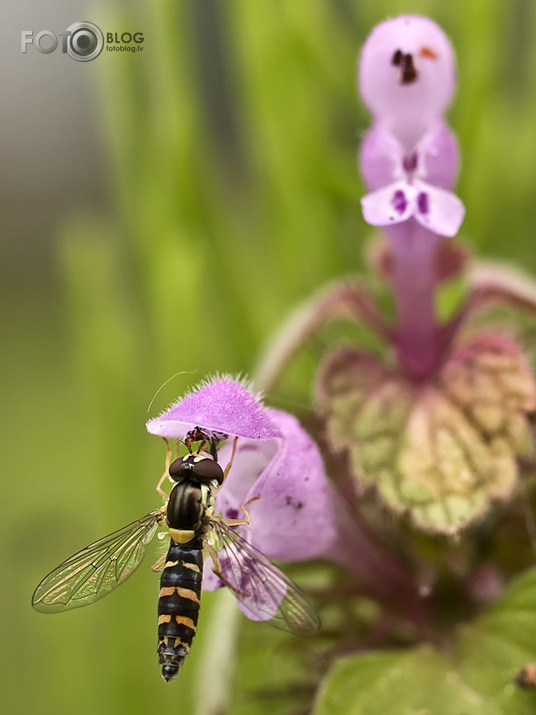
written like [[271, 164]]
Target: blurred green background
[[219, 190]]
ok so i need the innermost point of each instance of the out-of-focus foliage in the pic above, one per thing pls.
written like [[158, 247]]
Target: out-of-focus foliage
[[234, 194], [476, 678]]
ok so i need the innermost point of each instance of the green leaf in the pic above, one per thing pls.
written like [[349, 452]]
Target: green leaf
[[442, 451], [476, 677]]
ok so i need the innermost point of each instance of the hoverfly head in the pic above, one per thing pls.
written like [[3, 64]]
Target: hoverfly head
[[197, 466]]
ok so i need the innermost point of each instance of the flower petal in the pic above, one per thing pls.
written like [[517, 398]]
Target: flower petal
[[224, 405], [381, 158], [438, 157], [250, 461], [294, 519], [438, 210], [406, 75], [393, 204]]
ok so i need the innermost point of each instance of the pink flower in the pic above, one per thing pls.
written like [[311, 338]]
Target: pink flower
[[411, 185], [407, 77], [440, 430], [297, 515], [409, 160]]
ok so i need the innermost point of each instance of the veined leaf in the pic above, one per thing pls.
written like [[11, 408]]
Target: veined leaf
[[475, 678]]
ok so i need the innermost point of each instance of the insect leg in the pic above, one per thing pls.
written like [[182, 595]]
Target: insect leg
[[166, 471], [247, 520], [158, 563], [228, 467], [216, 569], [201, 446], [195, 435]]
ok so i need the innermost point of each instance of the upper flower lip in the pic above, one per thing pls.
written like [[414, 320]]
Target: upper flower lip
[[413, 94], [222, 404]]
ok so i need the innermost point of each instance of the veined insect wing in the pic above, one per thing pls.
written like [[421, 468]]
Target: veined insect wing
[[263, 590], [95, 571]]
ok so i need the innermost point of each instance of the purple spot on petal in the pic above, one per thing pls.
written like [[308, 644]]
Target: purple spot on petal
[[232, 514], [399, 201], [422, 203], [397, 58], [297, 506], [409, 73]]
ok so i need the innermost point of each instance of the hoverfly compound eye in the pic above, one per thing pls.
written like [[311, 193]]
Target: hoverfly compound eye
[[175, 469], [207, 470]]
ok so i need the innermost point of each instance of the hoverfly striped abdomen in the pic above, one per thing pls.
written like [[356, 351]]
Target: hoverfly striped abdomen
[[178, 605], [187, 515]]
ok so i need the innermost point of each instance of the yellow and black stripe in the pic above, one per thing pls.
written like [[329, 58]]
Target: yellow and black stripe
[[187, 517], [178, 605]]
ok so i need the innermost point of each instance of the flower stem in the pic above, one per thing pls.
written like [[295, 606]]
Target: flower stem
[[417, 335], [379, 574]]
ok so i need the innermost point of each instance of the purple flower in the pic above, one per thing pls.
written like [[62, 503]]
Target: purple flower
[[222, 405], [407, 77], [405, 185], [298, 515], [294, 518], [409, 160], [441, 431]]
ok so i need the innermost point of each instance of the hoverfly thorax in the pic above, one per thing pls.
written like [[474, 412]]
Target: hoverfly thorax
[[186, 507], [191, 496]]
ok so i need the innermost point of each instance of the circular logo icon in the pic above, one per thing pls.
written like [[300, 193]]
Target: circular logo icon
[[85, 41]]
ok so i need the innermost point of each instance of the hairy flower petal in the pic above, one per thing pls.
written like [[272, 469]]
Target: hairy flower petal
[[381, 158], [298, 515], [223, 405]]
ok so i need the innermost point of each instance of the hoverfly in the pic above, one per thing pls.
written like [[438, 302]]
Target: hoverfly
[[262, 589]]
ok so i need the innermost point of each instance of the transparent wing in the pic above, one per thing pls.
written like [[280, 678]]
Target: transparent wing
[[95, 571], [264, 592]]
